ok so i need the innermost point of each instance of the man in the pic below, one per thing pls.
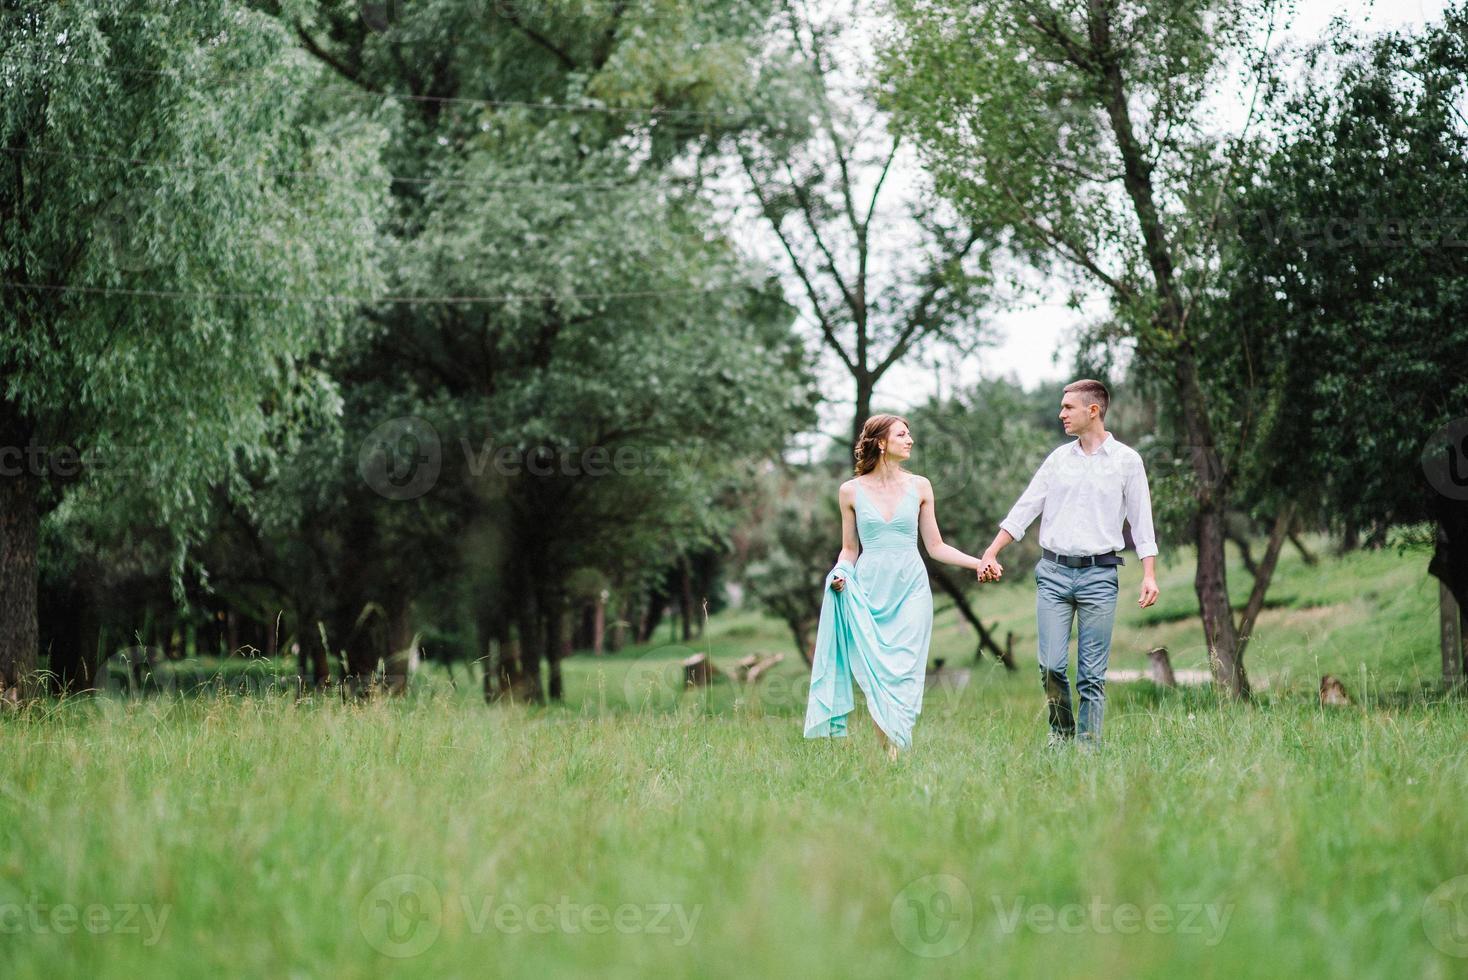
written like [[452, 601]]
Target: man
[[1081, 493]]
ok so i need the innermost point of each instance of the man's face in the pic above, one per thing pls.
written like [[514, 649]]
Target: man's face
[[1075, 414]]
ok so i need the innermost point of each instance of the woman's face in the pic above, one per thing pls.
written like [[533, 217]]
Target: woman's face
[[898, 443]]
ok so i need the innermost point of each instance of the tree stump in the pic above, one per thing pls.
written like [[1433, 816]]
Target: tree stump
[[1159, 668], [1333, 692], [744, 665], [760, 669], [699, 671]]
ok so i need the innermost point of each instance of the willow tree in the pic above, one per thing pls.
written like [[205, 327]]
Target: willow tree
[[165, 248], [1083, 131]]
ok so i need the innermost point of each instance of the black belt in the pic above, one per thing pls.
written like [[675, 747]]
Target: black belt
[[1083, 561]]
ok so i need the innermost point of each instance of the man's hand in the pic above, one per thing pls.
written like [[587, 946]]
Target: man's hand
[[838, 583], [989, 569], [1149, 592]]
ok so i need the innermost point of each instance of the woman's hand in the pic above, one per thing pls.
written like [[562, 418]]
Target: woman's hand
[[838, 583]]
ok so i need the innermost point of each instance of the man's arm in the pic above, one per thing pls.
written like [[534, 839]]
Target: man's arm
[[989, 568], [1139, 514], [1029, 506]]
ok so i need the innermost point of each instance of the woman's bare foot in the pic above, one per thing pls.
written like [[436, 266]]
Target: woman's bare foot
[[892, 751]]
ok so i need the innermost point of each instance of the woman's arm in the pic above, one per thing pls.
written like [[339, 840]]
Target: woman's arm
[[932, 537], [850, 548]]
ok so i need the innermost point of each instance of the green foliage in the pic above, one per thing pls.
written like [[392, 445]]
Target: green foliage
[[1348, 275], [158, 231]]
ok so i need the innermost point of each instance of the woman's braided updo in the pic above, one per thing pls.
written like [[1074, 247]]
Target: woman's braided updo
[[869, 446]]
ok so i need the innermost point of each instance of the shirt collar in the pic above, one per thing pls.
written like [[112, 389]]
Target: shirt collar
[[1105, 446]]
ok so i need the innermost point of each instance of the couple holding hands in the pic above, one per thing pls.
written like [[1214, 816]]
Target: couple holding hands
[[877, 612]]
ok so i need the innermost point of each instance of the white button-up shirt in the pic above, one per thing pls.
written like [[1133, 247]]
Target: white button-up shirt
[[1081, 501]]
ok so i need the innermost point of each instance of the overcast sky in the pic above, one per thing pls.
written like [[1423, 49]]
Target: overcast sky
[[1038, 344]]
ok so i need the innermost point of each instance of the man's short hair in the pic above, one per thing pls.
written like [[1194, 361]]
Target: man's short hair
[[1092, 391]]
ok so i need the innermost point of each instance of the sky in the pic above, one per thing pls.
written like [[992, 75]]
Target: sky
[[1038, 345]]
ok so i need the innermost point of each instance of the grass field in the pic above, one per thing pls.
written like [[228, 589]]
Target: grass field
[[637, 830]]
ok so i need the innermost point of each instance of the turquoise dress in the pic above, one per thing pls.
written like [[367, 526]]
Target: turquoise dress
[[876, 629]]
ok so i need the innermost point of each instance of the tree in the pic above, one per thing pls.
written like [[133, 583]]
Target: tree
[[1081, 133], [161, 252], [606, 318], [1349, 265], [880, 277]]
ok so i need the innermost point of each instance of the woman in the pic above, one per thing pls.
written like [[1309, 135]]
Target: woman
[[877, 612]]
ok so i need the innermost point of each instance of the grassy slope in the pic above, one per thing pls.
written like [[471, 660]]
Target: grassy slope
[[1314, 838]]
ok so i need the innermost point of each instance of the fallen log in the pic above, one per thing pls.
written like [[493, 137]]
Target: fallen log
[[699, 671]]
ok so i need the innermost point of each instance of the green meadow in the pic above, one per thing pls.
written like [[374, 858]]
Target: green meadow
[[638, 829]]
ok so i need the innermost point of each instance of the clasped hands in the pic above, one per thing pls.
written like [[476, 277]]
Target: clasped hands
[[989, 569]]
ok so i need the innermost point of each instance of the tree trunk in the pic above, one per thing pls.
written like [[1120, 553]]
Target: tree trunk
[[800, 630], [1246, 553], [1453, 630], [1305, 554], [70, 629], [402, 654], [865, 385], [599, 625], [19, 524], [657, 604], [520, 666], [1211, 584], [556, 648], [1282, 523], [618, 637], [685, 596]]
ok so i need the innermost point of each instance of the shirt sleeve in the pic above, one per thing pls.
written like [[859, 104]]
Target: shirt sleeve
[[1030, 503], [1139, 510]]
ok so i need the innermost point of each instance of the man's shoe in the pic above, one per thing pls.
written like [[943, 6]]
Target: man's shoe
[[1087, 743], [1056, 740]]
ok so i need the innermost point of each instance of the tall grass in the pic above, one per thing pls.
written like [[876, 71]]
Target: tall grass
[[639, 830]]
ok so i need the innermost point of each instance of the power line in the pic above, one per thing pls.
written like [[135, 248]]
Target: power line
[[628, 187], [362, 300], [355, 91]]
